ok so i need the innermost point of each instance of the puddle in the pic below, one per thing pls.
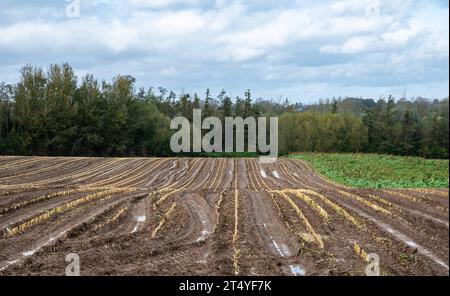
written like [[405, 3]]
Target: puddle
[[297, 270], [263, 173], [276, 175], [282, 249], [204, 233], [29, 253], [411, 244], [9, 264], [139, 219]]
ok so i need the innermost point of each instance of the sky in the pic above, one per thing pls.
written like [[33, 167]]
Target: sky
[[300, 49]]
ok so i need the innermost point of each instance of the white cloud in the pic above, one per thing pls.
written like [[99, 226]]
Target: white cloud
[[169, 71], [269, 45]]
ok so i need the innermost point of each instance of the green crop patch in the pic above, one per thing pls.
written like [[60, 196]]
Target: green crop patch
[[379, 171]]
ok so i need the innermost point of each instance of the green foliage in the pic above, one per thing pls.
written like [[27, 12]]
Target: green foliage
[[54, 116], [312, 131], [379, 171], [408, 128]]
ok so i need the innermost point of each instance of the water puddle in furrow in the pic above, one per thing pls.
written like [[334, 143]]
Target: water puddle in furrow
[[402, 237], [204, 233], [139, 219], [297, 270], [282, 249], [263, 173], [32, 252], [275, 174], [8, 264]]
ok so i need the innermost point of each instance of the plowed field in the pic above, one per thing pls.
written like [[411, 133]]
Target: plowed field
[[183, 216]]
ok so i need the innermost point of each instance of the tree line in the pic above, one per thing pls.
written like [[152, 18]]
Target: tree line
[[54, 113], [417, 127]]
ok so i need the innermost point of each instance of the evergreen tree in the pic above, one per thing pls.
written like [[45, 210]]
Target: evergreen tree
[[207, 109], [335, 107], [408, 134], [196, 102], [248, 104]]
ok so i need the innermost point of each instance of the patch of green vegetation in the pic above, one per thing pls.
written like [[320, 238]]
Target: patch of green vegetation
[[379, 171]]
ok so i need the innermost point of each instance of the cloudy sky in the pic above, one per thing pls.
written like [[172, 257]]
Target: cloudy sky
[[301, 49]]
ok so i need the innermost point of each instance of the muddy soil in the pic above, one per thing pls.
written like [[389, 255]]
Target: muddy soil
[[184, 216]]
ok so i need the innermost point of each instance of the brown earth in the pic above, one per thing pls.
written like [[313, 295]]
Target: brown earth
[[182, 216]]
